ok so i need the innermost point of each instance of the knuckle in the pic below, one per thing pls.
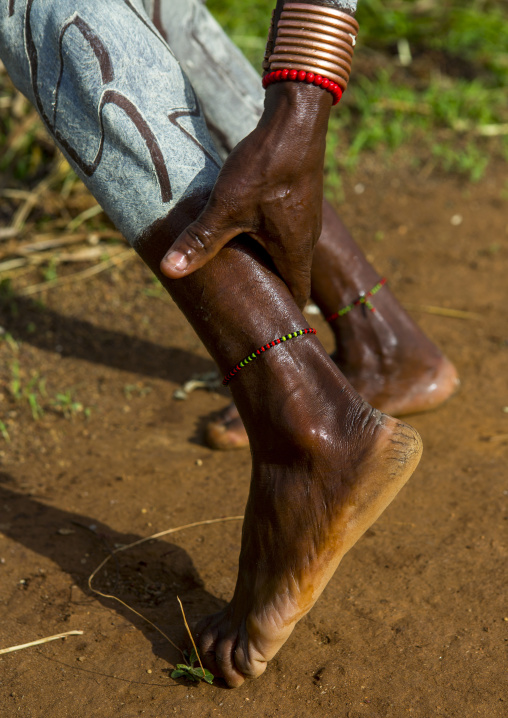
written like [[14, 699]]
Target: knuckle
[[200, 238]]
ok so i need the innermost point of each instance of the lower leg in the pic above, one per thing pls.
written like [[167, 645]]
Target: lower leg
[[325, 464], [385, 356]]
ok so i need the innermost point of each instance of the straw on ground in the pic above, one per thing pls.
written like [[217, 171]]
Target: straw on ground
[[40, 641]]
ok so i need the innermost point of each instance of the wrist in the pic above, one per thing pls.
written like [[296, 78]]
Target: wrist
[[297, 107]]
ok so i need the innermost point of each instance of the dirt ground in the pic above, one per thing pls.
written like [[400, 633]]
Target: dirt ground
[[414, 621]]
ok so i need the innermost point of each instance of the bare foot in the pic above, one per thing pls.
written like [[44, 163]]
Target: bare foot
[[302, 516], [396, 390], [226, 430]]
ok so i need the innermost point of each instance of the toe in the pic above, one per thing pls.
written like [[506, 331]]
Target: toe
[[248, 666], [207, 634], [224, 656]]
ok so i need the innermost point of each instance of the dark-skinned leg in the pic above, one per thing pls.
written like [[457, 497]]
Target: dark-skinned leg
[[385, 356], [325, 464]]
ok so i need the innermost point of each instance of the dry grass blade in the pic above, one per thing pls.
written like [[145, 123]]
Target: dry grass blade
[[49, 241], [206, 522], [77, 276], [86, 254], [441, 311], [45, 242], [40, 641], [13, 264], [190, 634], [133, 610], [33, 198], [8, 232], [87, 214], [492, 130], [496, 437], [21, 194]]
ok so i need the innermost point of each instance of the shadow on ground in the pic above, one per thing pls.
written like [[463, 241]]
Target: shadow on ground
[[147, 578]]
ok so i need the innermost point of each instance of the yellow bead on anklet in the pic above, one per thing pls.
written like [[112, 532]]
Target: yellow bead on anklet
[[264, 348]]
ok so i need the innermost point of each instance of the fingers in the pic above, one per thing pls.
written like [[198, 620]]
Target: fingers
[[297, 278], [197, 244]]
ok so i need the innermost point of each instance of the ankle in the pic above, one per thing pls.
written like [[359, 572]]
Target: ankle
[[297, 403]]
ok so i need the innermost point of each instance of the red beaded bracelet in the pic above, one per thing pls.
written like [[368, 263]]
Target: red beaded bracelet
[[301, 76], [265, 348]]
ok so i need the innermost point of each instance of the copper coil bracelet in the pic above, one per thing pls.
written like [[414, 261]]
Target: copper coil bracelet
[[314, 39]]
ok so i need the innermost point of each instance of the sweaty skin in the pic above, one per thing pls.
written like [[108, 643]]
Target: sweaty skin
[[325, 464], [386, 356], [271, 187]]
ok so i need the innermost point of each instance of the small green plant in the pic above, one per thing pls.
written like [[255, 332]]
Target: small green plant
[[66, 405], [8, 297], [468, 160], [10, 341], [131, 390], [4, 433], [15, 383], [50, 272], [190, 671], [29, 391]]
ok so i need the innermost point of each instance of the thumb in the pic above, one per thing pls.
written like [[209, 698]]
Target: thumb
[[197, 244]]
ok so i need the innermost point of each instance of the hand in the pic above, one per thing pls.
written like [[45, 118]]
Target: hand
[[271, 187]]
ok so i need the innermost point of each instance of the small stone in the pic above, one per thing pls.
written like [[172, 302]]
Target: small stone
[[81, 659], [311, 309], [359, 188], [199, 462], [144, 511], [148, 670], [456, 220], [180, 394]]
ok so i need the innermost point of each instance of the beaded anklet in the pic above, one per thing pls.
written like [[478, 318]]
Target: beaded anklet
[[266, 347], [363, 299]]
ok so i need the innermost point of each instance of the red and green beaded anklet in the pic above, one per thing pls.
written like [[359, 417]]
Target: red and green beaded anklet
[[265, 348], [363, 299]]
